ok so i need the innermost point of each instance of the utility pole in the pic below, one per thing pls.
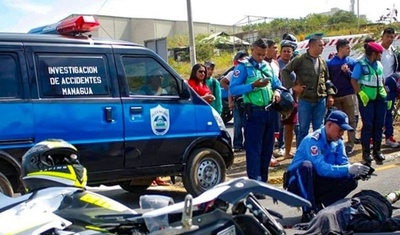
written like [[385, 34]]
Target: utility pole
[[358, 15], [192, 47]]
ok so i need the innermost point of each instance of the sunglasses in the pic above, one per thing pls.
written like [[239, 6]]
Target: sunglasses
[[201, 71]]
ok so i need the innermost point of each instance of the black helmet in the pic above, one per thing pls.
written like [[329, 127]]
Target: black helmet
[[286, 105], [239, 55], [329, 84], [289, 37], [51, 163]]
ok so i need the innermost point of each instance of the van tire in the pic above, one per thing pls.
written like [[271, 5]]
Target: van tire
[[5, 186], [136, 188], [204, 169]]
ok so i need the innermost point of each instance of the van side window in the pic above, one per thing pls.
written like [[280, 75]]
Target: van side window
[[145, 76], [72, 76], [10, 86]]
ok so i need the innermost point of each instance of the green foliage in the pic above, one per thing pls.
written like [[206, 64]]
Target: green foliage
[[341, 23], [342, 17], [222, 63], [204, 51], [178, 41]]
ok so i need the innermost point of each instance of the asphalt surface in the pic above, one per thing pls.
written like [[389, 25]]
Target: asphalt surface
[[385, 181]]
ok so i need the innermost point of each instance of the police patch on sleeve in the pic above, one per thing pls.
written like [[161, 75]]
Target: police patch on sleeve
[[316, 135], [314, 150], [236, 73]]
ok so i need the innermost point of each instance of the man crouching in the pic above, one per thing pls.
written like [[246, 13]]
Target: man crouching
[[320, 171]]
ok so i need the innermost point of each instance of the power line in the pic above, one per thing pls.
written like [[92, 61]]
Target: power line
[[102, 5]]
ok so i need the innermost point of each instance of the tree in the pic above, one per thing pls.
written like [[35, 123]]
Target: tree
[[342, 17]]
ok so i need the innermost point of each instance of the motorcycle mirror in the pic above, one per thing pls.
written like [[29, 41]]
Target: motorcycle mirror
[[154, 201]]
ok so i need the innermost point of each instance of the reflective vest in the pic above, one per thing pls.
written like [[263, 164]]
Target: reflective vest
[[371, 81], [259, 96]]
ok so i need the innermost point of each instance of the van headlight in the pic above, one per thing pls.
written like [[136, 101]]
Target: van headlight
[[218, 119]]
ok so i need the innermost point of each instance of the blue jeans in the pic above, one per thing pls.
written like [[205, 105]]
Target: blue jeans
[[389, 121], [310, 112], [281, 140], [237, 127], [259, 128]]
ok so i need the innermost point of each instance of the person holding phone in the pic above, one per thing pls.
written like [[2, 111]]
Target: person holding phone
[[254, 79]]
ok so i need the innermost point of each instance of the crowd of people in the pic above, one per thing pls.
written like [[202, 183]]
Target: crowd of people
[[331, 95]]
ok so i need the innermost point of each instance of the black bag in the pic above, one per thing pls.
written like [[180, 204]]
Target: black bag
[[374, 214], [367, 211]]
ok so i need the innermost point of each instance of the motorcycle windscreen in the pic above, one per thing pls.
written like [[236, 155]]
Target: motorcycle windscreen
[[241, 187], [89, 208]]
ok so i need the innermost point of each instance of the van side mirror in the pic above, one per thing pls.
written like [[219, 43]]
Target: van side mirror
[[185, 91]]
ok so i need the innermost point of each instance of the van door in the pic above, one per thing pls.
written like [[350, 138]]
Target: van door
[[78, 101], [159, 125], [16, 111]]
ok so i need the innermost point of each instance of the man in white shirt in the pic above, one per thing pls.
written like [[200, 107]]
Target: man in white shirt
[[390, 62]]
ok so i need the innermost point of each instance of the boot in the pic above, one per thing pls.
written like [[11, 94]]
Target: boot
[[379, 157], [366, 155]]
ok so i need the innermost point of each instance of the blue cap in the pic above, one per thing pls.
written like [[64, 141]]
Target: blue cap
[[341, 119]]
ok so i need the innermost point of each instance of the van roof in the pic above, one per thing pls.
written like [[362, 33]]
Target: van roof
[[60, 39]]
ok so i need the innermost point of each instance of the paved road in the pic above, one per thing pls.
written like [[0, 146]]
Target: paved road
[[385, 181]]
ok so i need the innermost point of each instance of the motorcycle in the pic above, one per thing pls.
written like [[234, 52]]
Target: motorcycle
[[230, 208]]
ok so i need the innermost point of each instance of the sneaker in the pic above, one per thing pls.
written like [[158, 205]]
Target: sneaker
[[366, 156], [392, 142], [238, 150], [393, 197], [349, 150], [273, 162], [158, 181], [379, 158], [281, 152]]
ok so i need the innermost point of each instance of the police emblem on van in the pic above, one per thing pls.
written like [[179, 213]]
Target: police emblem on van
[[159, 119]]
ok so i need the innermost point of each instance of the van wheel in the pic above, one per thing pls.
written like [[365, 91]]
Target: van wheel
[[136, 186], [5, 186], [204, 170]]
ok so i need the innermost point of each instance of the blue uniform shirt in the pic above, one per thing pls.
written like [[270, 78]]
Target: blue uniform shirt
[[328, 159], [238, 86]]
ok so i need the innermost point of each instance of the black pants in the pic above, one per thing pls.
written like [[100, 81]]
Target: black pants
[[306, 183]]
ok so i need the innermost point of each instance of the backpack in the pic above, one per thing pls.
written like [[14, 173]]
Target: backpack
[[366, 211], [374, 214]]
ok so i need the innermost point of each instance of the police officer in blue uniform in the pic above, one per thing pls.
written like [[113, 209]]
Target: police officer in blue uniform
[[320, 171], [254, 79], [368, 83]]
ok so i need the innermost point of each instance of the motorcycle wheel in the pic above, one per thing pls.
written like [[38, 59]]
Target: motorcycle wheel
[[204, 169], [131, 187], [5, 186]]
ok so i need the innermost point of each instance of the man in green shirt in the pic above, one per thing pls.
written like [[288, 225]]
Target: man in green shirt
[[214, 86]]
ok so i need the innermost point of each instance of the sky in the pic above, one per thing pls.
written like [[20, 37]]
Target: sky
[[23, 15]]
